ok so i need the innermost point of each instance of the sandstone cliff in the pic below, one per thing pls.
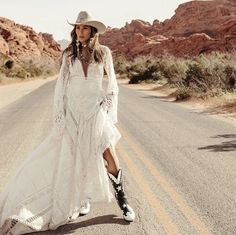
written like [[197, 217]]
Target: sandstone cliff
[[196, 27], [22, 43]]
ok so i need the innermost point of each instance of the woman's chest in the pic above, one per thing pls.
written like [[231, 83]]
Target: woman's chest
[[90, 71]]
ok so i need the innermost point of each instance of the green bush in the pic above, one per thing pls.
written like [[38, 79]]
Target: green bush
[[210, 74], [200, 76], [173, 69], [120, 65], [166, 68], [143, 68], [230, 77]]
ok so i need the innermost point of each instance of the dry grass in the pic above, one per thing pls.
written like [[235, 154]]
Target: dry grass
[[200, 77], [29, 69]]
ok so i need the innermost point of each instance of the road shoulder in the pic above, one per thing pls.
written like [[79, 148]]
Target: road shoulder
[[221, 108]]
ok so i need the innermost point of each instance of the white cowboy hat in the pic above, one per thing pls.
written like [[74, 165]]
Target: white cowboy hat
[[85, 18]]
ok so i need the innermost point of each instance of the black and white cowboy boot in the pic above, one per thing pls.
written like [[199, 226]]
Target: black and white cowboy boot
[[117, 182]]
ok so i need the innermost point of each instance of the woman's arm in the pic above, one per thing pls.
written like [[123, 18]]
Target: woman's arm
[[59, 92], [112, 89]]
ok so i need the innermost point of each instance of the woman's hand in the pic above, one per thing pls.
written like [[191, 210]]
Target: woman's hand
[[106, 101]]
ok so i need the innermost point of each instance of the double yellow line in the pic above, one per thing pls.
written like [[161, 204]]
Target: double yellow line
[[165, 220]]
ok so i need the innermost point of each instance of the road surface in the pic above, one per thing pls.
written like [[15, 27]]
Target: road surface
[[179, 164]]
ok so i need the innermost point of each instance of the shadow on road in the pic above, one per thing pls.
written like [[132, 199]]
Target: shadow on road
[[225, 146], [76, 225]]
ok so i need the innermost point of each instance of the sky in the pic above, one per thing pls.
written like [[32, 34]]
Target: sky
[[49, 16]]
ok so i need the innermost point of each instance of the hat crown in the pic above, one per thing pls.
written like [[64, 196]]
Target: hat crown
[[83, 17]]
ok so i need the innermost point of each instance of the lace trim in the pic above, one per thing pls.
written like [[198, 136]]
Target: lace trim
[[10, 224], [59, 96], [112, 89]]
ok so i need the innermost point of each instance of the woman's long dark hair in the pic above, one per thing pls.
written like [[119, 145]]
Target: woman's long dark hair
[[94, 46]]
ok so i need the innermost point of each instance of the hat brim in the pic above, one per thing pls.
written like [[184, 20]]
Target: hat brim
[[97, 24]]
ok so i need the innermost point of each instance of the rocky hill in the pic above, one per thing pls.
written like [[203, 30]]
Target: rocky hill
[[22, 43], [196, 27]]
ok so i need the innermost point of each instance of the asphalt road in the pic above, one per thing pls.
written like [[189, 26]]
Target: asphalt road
[[179, 164]]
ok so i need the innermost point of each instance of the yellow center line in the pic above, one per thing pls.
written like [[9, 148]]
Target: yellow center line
[[154, 202], [180, 202]]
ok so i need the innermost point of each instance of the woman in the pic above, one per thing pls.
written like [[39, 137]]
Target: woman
[[73, 165]]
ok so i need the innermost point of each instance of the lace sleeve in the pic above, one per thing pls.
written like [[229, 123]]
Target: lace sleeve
[[112, 88], [59, 110]]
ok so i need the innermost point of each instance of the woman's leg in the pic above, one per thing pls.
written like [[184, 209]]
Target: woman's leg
[[115, 175], [112, 161]]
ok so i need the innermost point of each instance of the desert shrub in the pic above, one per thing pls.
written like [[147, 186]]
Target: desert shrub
[[182, 93], [33, 70], [199, 76], [195, 76], [120, 64], [230, 77], [165, 68], [210, 74], [172, 68], [18, 72], [143, 68], [49, 72], [27, 68]]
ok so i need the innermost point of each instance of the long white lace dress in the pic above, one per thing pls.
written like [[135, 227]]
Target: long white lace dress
[[67, 167]]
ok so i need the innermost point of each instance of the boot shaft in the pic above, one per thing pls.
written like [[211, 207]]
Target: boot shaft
[[117, 182], [118, 186]]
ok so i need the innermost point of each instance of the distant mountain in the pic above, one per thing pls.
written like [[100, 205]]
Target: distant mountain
[[63, 43]]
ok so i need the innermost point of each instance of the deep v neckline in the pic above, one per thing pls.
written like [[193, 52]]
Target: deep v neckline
[[82, 67]]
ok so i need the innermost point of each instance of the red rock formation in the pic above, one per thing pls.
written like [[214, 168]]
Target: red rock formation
[[199, 17], [196, 27], [23, 43]]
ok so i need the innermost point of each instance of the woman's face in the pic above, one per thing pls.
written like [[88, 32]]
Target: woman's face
[[83, 33]]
